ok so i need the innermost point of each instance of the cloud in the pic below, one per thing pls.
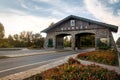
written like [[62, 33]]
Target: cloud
[[34, 17], [54, 8], [14, 24], [113, 1], [103, 13]]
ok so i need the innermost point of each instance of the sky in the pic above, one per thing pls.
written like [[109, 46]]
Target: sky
[[36, 15]]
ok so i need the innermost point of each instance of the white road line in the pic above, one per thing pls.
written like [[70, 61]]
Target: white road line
[[27, 65]]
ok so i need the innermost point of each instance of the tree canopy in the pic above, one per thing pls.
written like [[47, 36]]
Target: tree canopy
[[24, 39], [51, 24], [118, 42], [2, 31]]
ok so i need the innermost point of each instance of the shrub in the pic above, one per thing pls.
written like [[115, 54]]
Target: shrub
[[105, 47], [74, 71], [102, 46], [72, 61], [106, 57]]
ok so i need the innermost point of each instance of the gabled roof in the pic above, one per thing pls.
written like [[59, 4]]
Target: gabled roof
[[109, 26]]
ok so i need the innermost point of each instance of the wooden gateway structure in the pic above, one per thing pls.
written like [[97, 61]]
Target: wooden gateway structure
[[76, 27]]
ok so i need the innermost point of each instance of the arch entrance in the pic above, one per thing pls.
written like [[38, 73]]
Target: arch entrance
[[85, 40], [84, 33], [63, 40]]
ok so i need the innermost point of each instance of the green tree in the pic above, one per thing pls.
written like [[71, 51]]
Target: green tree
[[118, 42], [2, 31], [87, 41], [24, 39], [51, 24], [37, 40], [10, 41], [67, 41], [4, 43], [16, 37]]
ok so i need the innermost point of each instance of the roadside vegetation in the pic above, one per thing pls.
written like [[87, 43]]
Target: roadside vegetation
[[101, 56], [24, 39], [74, 70], [4, 57], [118, 42]]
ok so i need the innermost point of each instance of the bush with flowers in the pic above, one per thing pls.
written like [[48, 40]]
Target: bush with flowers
[[105, 57], [76, 71]]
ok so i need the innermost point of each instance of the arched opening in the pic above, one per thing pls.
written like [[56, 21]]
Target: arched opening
[[63, 41], [85, 40]]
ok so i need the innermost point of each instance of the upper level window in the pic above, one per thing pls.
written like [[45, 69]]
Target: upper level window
[[72, 22]]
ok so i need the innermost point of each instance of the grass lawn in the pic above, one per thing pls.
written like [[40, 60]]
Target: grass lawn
[[105, 57], [73, 70]]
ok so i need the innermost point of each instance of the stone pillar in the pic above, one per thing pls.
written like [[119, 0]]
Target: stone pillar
[[46, 42], [54, 42], [112, 42], [73, 41], [96, 42]]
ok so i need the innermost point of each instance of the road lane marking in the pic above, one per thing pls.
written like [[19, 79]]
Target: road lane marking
[[28, 65]]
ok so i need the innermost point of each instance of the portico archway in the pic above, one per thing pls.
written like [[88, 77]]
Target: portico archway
[[91, 32], [60, 40], [85, 40]]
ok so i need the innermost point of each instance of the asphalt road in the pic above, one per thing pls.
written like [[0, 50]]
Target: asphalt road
[[21, 51], [15, 65]]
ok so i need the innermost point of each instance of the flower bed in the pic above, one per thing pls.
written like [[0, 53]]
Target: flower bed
[[73, 70], [105, 57]]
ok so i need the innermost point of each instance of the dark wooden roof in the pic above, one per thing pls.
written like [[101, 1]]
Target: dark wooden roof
[[109, 26]]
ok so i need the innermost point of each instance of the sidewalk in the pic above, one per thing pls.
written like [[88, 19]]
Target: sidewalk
[[115, 68]]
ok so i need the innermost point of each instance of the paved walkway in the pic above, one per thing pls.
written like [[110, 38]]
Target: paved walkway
[[115, 68]]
